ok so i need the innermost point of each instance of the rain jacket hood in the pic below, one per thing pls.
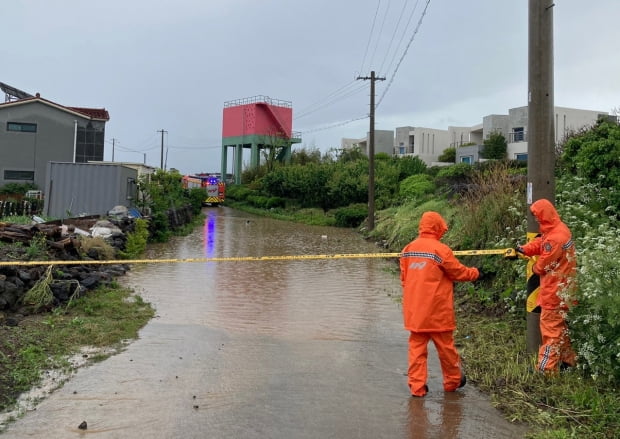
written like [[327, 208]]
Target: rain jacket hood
[[556, 263], [545, 214], [432, 225]]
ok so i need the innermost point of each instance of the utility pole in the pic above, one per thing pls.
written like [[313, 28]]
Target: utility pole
[[541, 138], [113, 143], [371, 149], [162, 148]]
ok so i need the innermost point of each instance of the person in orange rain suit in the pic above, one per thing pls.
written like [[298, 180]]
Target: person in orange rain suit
[[428, 270], [557, 267]]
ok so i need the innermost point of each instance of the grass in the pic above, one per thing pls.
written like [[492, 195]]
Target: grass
[[103, 317], [310, 216], [568, 405]]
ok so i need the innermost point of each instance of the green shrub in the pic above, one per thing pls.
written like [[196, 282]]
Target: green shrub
[[416, 186], [399, 225], [238, 192], [595, 155], [17, 188], [351, 216], [259, 201], [494, 147], [448, 155], [410, 166], [457, 171], [196, 197], [136, 240], [275, 202]]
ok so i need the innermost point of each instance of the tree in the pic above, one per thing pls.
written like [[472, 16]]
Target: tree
[[494, 147], [448, 155]]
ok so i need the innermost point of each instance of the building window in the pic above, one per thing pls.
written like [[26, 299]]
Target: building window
[[401, 150], [131, 188], [519, 134], [521, 157], [89, 144], [21, 127], [19, 175], [467, 159]]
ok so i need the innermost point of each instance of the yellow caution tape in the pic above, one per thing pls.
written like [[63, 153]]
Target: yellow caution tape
[[507, 252]]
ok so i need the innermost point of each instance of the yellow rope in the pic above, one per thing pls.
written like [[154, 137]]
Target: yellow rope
[[504, 251]]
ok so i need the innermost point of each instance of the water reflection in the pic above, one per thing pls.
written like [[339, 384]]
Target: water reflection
[[436, 419], [209, 233]]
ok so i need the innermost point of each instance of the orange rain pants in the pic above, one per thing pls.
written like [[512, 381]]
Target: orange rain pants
[[448, 358], [556, 347]]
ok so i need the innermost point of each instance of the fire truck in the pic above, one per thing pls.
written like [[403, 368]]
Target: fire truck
[[215, 188]]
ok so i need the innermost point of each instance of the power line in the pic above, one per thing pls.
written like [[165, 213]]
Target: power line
[[379, 34], [338, 124], [404, 53], [333, 101], [372, 28], [321, 102], [136, 150], [194, 147], [402, 35]]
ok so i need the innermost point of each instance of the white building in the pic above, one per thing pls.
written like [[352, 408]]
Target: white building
[[429, 143], [513, 127], [384, 142], [426, 143]]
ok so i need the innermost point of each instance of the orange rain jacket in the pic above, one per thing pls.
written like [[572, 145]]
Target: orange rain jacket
[[428, 269], [556, 264]]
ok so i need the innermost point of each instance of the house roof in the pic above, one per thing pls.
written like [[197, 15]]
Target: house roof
[[100, 114], [95, 113]]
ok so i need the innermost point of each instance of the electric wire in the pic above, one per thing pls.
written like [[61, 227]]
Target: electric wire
[[349, 93], [387, 9], [374, 20], [334, 125], [321, 102], [402, 36], [417, 28], [126, 149]]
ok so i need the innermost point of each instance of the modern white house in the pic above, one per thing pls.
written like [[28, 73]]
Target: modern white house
[[384, 142], [426, 143], [429, 143]]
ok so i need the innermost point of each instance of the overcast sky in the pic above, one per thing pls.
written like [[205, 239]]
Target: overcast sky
[[171, 65]]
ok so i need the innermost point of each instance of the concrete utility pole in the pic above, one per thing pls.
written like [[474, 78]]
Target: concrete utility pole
[[162, 148], [371, 150], [541, 136], [113, 143]]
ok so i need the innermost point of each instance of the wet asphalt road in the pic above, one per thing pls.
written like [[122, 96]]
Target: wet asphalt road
[[280, 349]]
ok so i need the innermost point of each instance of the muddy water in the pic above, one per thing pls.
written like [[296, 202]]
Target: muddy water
[[263, 349]]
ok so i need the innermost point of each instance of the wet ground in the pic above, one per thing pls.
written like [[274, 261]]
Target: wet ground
[[263, 349]]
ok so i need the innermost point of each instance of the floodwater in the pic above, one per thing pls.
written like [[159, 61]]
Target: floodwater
[[263, 349]]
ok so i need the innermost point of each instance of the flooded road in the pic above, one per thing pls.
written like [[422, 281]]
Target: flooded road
[[263, 349]]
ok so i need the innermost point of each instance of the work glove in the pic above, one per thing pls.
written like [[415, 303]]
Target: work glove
[[481, 275], [519, 249]]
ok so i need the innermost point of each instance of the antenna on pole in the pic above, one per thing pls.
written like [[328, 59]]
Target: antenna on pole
[[162, 131]]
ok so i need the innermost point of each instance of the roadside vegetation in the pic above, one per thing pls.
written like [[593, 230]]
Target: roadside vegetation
[[103, 318], [485, 208]]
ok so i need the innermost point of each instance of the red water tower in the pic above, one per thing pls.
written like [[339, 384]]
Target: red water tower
[[256, 123]]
